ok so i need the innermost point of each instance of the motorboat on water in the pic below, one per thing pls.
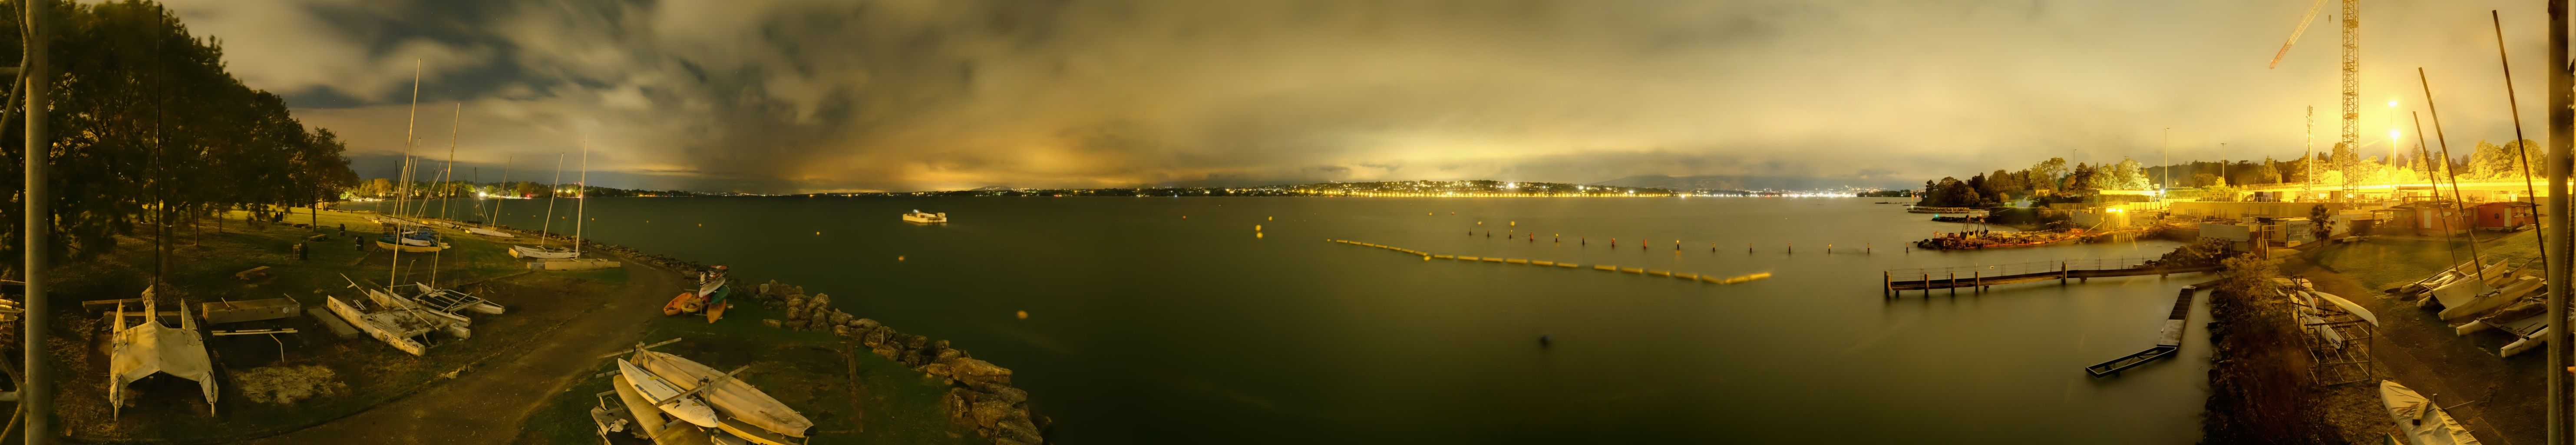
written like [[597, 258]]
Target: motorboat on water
[[917, 216], [2424, 422]]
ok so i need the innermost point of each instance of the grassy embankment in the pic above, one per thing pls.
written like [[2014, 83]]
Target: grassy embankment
[[852, 396], [319, 377]]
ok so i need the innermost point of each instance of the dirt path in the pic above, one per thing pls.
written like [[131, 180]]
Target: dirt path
[[488, 404]]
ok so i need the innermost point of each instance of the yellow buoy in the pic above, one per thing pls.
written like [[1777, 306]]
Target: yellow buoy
[[1516, 223], [898, 257], [1426, 258], [1269, 218], [1024, 315], [1480, 223], [1256, 227], [1256, 234], [818, 232]]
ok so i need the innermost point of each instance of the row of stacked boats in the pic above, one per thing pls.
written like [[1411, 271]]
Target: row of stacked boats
[[2475, 297], [671, 399]]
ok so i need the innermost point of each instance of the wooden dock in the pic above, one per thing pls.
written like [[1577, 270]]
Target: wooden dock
[[1978, 278], [2168, 341]]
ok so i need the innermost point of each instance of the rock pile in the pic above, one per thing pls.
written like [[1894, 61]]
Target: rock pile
[[979, 395]]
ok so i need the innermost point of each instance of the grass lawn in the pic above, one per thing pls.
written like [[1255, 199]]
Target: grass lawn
[[357, 373], [852, 396]]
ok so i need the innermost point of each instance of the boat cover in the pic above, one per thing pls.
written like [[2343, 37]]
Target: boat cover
[[139, 351]]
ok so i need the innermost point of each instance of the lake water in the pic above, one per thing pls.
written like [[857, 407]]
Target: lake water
[[1148, 327]]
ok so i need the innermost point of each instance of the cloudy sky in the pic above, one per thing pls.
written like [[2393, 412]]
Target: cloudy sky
[[852, 95]]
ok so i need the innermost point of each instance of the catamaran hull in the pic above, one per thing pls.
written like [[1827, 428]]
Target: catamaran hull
[[410, 248]]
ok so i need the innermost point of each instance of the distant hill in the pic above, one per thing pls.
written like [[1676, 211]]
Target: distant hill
[[1753, 182], [991, 188]]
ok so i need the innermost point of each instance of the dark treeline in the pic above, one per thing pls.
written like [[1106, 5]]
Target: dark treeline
[[147, 126], [2047, 180], [2054, 180]]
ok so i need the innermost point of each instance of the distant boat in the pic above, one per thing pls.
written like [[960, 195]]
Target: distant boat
[[2424, 422], [490, 233], [918, 216], [660, 391]]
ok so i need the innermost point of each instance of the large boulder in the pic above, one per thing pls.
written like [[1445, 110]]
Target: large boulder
[[959, 409], [867, 323], [994, 413], [772, 322], [795, 313], [975, 371], [887, 352], [873, 338], [935, 370], [839, 318], [948, 355], [1014, 396], [1019, 431], [820, 300], [915, 342]]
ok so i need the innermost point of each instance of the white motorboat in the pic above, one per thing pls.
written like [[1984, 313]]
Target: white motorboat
[[917, 216], [2423, 421], [670, 399]]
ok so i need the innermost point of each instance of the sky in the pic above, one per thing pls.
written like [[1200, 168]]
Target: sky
[[785, 96]]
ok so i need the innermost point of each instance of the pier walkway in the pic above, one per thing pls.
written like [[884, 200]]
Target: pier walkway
[[1978, 278], [2168, 341]]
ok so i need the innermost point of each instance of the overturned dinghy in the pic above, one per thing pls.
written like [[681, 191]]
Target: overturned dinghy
[[141, 350], [2424, 422]]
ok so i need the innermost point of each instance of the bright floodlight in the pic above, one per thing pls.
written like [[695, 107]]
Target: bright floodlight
[[2392, 134], [2392, 104]]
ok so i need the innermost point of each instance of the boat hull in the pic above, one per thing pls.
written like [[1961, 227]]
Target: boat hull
[[411, 248], [745, 403], [537, 253], [659, 391]]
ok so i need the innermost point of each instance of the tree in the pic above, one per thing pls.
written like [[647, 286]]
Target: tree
[[2049, 174], [2317, 224]]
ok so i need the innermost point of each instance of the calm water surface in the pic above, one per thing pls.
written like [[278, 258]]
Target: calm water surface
[[1146, 327]]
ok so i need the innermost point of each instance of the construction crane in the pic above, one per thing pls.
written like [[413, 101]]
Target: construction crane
[[2351, 66]]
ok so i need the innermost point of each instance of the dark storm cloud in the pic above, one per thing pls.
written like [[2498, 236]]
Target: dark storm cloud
[[784, 95]]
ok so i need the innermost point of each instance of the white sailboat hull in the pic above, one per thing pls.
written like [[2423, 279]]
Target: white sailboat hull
[[660, 391]]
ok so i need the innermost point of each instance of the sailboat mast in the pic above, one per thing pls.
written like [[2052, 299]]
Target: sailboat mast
[[446, 187], [393, 269], [506, 163], [547, 230], [581, 202]]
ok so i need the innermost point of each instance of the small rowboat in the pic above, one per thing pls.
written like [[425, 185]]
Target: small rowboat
[[686, 407]]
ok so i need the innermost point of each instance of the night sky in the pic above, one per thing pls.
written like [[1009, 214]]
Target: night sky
[[842, 95]]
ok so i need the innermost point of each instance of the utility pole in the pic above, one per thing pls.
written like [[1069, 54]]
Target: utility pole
[[36, 397], [2162, 157], [2562, 96], [2309, 189]]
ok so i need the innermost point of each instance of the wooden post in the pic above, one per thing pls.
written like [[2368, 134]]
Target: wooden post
[[1954, 284], [1886, 284], [1927, 285], [1979, 278], [2061, 272]]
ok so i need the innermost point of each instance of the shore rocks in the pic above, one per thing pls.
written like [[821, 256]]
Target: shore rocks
[[980, 396]]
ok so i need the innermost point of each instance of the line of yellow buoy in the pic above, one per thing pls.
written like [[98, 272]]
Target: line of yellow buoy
[[1427, 256]]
